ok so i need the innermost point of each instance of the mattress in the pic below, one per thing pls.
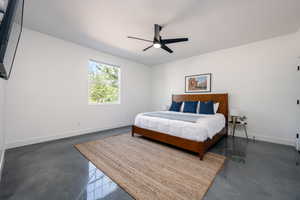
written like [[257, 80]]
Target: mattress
[[206, 126]]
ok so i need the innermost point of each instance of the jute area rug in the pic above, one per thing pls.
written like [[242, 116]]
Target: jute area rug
[[150, 170]]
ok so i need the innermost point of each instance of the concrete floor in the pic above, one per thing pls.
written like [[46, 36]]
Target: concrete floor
[[56, 170]]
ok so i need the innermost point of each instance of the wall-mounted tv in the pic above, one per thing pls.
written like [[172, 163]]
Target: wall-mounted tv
[[11, 23]]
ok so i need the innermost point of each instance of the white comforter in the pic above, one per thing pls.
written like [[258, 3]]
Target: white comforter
[[206, 127]]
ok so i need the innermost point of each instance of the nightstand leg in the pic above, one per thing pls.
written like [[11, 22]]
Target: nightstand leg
[[245, 128], [233, 126], [233, 130]]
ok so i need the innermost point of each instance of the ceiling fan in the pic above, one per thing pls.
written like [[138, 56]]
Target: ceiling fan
[[158, 42]]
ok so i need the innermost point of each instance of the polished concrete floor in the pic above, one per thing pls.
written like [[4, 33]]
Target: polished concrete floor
[[56, 170]]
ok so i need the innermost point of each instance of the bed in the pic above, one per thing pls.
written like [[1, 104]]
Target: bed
[[193, 132]]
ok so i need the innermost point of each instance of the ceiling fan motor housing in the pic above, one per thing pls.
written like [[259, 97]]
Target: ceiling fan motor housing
[[158, 42]]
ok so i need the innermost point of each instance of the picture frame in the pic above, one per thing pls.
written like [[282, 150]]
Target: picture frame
[[198, 83]]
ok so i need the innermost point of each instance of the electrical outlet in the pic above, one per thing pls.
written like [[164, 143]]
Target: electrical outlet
[[78, 124]]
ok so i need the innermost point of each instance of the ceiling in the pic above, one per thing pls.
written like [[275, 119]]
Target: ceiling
[[210, 24]]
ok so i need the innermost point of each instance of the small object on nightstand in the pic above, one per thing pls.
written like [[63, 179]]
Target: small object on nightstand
[[237, 119]]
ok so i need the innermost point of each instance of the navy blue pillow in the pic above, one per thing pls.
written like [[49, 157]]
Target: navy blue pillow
[[190, 106], [207, 108], [175, 106]]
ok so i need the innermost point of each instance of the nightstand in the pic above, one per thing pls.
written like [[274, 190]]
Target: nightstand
[[235, 122]]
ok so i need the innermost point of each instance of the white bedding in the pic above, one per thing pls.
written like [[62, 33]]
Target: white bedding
[[206, 127]]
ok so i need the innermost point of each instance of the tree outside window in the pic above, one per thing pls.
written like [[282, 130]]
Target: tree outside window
[[104, 83]]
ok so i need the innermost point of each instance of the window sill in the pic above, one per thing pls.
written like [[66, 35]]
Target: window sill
[[103, 104]]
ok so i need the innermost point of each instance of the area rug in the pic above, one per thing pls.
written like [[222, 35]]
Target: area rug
[[150, 170]]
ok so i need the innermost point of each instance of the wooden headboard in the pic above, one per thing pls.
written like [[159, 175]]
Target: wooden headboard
[[221, 98]]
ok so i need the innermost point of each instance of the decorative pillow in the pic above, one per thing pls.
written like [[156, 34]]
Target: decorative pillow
[[175, 106], [207, 107], [190, 106], [216, 107]]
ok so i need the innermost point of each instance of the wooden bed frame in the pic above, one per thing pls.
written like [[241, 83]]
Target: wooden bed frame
[[194, 146]]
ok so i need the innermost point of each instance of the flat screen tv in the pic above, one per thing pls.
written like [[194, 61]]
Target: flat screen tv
[[11, 23]]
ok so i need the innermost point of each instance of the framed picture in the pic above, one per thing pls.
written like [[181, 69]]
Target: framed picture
[[198, 83]]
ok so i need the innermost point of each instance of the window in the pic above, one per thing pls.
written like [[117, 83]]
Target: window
[[104, 83]]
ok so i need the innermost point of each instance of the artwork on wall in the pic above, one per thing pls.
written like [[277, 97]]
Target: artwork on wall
[[198, 83]]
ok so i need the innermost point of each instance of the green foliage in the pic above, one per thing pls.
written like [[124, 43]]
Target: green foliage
[[103, 84]]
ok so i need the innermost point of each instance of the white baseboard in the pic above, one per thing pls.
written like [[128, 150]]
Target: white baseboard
[[265, 138], [1, 162], [61, 135], [87, 131]]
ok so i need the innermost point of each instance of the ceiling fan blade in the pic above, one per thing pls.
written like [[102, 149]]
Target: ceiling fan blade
[[157, 29], [147, 48], [164, 47], [139, 39], [175, 40]]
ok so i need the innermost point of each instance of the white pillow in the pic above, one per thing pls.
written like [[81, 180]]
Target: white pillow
[[1, 17], [182, 106], [216, 107], [165, 107]]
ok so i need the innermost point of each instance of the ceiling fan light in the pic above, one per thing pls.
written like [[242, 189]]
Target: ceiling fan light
[[157, 45]]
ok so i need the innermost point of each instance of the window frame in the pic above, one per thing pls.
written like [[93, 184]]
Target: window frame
[[119, 84]]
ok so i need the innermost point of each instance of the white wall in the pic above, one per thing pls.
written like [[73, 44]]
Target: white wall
[[261, 79], [2, 108], [47, 93]]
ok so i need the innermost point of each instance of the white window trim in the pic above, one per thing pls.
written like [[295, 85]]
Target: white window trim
[[119, 84]]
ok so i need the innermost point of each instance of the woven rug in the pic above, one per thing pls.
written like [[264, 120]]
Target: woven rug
[[150, 170]]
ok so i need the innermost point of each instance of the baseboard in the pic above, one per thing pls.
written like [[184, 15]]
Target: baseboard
[[1, 162], [61, 136], [73, 133], [265, 138]]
